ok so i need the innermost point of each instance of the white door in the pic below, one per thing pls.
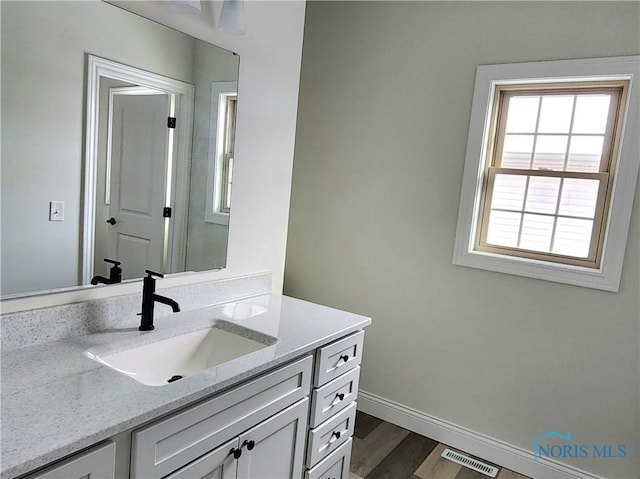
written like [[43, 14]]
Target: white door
[[139, 159], [275, 448]]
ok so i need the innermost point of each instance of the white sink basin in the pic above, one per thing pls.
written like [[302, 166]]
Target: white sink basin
[[155, 364]]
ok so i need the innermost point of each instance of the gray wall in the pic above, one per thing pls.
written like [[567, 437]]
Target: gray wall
[[385, 101], [43, 85]]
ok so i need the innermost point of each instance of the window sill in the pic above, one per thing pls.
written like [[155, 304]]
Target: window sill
[[217, 218], [555, 272]]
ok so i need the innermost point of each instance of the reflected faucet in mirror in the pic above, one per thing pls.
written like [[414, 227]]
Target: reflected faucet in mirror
[[115, 274]]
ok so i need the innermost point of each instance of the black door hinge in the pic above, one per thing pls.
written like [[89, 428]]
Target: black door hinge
[[171, 122], [166, 212]]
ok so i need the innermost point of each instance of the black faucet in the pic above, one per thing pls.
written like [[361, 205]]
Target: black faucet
[[149, 298], [115, 274]]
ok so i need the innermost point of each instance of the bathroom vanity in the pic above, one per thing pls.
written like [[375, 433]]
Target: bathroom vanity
[[285, 410]]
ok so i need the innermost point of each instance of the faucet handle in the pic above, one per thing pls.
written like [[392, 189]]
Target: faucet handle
[[112, 261], [153, 273]]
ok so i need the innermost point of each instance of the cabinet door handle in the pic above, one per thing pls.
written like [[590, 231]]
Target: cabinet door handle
[[338, 399], [250, 444], [236, 453], [335, 435], [344, 357]]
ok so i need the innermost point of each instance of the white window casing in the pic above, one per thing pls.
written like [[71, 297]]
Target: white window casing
[[617, 221]]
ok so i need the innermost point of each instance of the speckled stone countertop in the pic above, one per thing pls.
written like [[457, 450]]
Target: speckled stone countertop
[[56, 400]]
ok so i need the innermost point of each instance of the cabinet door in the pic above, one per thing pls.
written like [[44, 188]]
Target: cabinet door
[[217, 464], [275, 448], [96, 463]]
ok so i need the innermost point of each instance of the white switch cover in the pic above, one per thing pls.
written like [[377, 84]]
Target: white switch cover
[[56, 210]]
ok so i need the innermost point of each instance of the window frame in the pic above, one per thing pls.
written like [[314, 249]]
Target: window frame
[[217, 169], [622, 179], [618, 91], [228, 151]]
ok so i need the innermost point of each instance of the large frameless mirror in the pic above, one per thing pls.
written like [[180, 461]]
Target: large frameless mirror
[[117, 143]]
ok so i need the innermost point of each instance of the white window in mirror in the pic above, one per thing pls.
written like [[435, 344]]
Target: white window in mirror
[[551, 168], [224, 97]]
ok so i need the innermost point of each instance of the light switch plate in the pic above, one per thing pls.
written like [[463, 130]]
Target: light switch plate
[[56, 210]]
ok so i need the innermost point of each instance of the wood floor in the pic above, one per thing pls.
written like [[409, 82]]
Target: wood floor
[[384, 451]]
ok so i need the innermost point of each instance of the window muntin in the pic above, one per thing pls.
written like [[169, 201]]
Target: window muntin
[[548, 178]]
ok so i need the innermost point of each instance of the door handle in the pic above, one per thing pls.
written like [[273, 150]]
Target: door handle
[[111, 221]]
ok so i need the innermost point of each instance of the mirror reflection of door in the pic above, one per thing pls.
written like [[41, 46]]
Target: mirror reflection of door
[[136, 173]]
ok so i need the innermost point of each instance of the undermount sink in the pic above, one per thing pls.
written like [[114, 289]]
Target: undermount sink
[[167, 360]]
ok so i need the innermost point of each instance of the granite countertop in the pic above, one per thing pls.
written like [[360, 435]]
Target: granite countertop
[[56, 400]]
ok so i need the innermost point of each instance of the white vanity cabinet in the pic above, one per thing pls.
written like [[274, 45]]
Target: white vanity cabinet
[[333, 408], [260, 424], [286, 410], [293, 422], [274, 426], [272, 449], [95, 463]]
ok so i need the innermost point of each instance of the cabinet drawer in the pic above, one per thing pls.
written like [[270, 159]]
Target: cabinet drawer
[[334, 466], [97, 463], [337, 358], [334, 396], [168, 444], [330, 435]]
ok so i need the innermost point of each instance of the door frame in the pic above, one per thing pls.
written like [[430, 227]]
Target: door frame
[[185, 94]]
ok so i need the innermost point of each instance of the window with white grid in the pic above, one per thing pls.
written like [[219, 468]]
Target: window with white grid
[[552, 161], [547, 183]]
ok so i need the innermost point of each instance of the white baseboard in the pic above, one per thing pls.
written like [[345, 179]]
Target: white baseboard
[[485, 447]]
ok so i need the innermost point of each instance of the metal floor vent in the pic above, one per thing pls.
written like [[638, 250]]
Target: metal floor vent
[[470, 462]]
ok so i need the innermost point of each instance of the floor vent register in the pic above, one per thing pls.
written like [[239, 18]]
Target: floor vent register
[[470, 462]]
